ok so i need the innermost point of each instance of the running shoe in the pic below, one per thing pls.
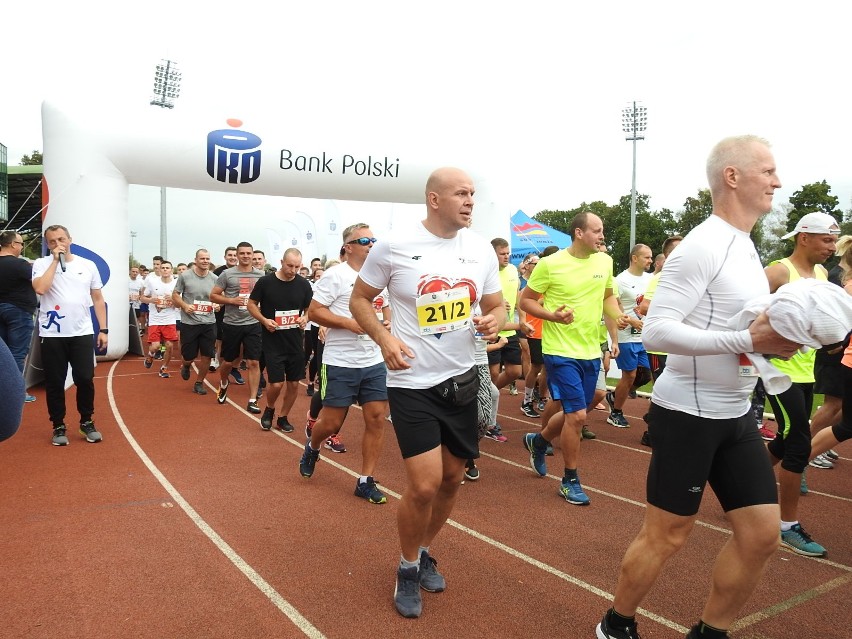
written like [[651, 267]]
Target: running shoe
[[283, 425], [158, 354], [471, 472], [334, 444], [496, 433], [617, 419], [765, 433], [309, 461], [537, 461], [406, 594], [29, 399], [184, 372], [513, 389], [572, 492], [222, 394], [214, 364], [528, 410], [536, 396], [59, 436], [646, 439], [830, 454], [632, 394], [309, 425], [198, 388], [163, 373], [243, 365], [237, 377], [821, 461], [606, 631], [542, 403], [610, 400], [252, 407], [369, 491], [266, 420], [797, 540], [149, 361], [430, 579], [88, 430], [587, 434]]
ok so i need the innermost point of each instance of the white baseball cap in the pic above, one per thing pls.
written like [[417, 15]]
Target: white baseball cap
[[815, 223]]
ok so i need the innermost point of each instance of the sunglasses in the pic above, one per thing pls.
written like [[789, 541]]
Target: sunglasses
[[363, 241]]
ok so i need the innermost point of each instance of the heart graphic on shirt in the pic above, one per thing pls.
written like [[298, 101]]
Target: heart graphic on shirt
[[435, 283]]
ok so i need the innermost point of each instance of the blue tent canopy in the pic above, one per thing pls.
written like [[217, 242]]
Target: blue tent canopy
[[530, 236]]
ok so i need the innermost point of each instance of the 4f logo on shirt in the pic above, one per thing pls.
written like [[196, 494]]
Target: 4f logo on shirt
[[233, 156]]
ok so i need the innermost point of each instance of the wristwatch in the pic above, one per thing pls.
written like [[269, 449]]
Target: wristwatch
[[105, 331]]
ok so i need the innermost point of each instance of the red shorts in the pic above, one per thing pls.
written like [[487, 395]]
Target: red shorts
[[167, 333]]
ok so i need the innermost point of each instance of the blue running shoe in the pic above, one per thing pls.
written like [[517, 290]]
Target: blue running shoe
[[406, 595], [369, 491], [430, 579], [797, 540], [238, 378], [308, 461], [573, 493], [537, 462]]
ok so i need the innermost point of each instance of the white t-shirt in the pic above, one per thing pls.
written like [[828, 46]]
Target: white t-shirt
[[434, 283], [162, 291], [707, 280], [630, 287], [64, 309], [135, 289], [343, 347]]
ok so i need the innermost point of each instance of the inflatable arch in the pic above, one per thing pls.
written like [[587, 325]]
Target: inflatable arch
[[90, 158]]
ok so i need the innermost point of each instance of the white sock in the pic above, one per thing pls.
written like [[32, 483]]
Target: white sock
[[787, 525]]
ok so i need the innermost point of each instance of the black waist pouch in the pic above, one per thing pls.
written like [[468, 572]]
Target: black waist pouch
[[459, 390]]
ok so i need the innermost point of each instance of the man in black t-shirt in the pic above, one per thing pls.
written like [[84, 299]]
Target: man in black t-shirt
[[278, 301], [17, 299]]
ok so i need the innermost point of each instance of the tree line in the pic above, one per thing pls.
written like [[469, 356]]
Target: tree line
[[653, 227]]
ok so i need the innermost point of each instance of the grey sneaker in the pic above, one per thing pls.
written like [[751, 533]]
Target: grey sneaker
[[430, 579], [406, 595], [59, 436], [88, 430]]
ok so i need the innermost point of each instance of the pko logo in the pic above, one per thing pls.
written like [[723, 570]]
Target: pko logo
[[233, 156]]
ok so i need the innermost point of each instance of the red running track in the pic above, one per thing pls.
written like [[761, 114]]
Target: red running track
[[190, 521]]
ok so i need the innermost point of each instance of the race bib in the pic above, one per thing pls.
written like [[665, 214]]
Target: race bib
[[244, 298], [286, 319], [746, 368], [134, 296], [443, 311], [202, 307]]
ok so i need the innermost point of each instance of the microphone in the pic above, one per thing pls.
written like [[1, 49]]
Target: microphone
[[62, 261]]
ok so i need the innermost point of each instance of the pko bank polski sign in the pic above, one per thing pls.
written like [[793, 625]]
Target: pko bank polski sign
[[238, 156]]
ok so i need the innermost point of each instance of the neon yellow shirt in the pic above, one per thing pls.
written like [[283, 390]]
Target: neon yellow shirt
[[509, 282], [649, 295], [800, 367], [579, 284]]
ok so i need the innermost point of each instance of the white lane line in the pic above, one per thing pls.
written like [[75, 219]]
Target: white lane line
[[253, 576]]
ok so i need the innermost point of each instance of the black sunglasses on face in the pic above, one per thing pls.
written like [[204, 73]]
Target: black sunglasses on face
[[363, 241]]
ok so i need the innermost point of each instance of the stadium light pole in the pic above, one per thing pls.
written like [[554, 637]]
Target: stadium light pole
[[166, 91], [132, 240], [634, 120]]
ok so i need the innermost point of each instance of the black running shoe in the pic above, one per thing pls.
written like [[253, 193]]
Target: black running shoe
[[266, 420]]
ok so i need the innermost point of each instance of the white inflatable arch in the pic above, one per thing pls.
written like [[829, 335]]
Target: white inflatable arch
[[90, 158]]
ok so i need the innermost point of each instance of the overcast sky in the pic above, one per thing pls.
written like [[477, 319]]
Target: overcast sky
[[530, 92]]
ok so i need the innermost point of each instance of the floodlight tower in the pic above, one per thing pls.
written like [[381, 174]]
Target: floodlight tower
[[634, 120], [166, 91]]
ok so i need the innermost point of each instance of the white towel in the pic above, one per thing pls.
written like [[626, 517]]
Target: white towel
[[811, 312]]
